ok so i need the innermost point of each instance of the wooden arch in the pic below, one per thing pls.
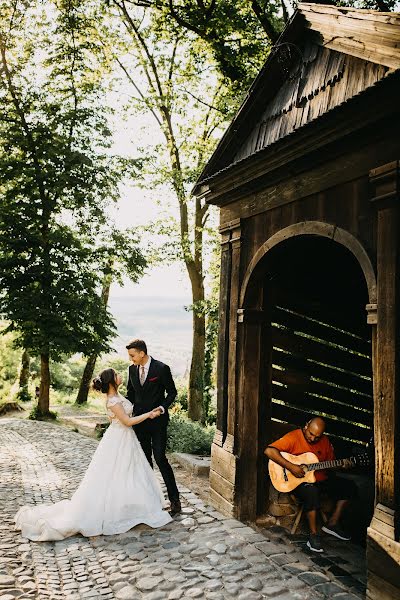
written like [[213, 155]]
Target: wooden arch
[[315, 228]]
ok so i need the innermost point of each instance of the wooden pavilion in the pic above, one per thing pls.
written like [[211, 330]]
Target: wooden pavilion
[[307, 178]]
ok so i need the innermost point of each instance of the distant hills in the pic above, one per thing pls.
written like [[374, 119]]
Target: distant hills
[[163, 323]]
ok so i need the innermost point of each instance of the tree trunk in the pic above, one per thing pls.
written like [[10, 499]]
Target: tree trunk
[[91, 361], [44, 392], [86, 380], [192, 253], [24, 372], [196, 377]]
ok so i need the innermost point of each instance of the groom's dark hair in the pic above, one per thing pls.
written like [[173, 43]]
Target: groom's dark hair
[[138, 345]]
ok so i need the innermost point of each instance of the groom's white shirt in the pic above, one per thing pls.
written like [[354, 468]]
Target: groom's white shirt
[[146, 368]]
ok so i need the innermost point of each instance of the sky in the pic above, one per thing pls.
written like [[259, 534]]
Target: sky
[[139, 207], [136, 207], [154, 308]]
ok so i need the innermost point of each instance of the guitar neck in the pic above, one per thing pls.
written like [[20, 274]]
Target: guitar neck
[[327, 464]]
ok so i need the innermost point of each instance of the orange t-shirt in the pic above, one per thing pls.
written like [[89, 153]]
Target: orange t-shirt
[[295, 443]]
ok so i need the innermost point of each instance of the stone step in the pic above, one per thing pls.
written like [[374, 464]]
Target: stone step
[[198, 465]]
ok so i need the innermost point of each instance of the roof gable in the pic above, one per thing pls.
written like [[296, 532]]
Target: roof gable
[[325, 56], [319, 81]]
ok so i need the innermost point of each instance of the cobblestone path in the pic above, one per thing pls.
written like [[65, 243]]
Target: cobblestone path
[[200, 555]]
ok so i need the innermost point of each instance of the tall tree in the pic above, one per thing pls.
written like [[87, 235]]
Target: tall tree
[[171, 77], [240, 33], [55, 177], [118, 255]]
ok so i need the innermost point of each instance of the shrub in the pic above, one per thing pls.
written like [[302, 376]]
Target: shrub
[[184, 435], [5, 391], [23, 395], [101, 429], [37, 415], [188, 436], [181, 399]]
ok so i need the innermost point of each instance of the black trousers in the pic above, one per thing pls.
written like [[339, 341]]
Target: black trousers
[[153, 439], [337, 488]]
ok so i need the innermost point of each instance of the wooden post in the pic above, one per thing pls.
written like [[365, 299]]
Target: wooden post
[[236, 243], [383, 550], [248, 443], [223, 458], [222, 359]]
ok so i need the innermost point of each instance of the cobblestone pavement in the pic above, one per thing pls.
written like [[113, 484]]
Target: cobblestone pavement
[[200, 555]]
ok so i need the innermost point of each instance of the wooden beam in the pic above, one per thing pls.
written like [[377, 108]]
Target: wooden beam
[[385, 184], [294, 153], [360, 47], [370, 35], [360, 15], [337, 167]]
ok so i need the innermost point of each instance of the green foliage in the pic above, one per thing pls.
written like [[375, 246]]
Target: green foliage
[[23, 395], [5, 391], [9, 361], [67, 372], [101, 430], [212, 327], [119, 254], [181, 401], [37, 415], [171, 76], [65, 375], [184, 435], [56, 177], [238, 34], [188, 436]]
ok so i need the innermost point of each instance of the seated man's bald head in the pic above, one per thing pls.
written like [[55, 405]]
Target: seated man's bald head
[[314, 429], [317, 422]]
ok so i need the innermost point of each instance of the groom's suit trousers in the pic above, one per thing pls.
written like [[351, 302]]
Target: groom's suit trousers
[[154, 441]]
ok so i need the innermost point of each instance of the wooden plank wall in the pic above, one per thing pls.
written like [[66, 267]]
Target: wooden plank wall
[[322, 365]]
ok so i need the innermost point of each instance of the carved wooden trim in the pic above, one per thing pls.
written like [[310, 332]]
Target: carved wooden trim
[[372, 314], [232, 225], [385, 183]]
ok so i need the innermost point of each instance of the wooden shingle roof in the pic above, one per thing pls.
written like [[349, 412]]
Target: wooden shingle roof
[[326, 56]]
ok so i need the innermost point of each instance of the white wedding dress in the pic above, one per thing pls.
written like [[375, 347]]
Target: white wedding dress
[[119, 490]]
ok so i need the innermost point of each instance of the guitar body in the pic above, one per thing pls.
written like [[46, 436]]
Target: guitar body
[[290, 482]]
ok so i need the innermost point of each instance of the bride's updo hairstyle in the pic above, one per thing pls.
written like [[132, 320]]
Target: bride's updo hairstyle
[[102, 382]]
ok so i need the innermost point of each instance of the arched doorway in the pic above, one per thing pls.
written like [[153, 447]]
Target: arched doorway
[[305, 324]]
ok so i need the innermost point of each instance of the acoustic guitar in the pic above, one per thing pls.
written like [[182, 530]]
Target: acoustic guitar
[[284, 481]]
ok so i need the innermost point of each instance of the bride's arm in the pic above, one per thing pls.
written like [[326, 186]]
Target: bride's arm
[[123, 417]]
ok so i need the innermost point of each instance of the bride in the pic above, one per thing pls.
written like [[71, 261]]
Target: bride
[[119, 489]]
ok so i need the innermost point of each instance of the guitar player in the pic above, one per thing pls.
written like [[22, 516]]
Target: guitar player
[[311, 438]]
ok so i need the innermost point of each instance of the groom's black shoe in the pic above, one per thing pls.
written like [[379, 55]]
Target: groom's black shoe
[[176, 508]]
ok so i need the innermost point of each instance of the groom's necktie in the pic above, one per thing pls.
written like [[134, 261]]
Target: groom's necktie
[[142, 375]]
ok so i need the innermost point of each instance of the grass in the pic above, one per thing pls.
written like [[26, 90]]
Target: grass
[[94, 404]]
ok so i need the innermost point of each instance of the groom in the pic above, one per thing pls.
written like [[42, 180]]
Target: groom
[[150, 386]]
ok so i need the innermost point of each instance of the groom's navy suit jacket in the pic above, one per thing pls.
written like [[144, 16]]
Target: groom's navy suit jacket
[[158, 389]]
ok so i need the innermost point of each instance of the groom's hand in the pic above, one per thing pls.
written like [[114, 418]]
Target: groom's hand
[[155, 413]]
